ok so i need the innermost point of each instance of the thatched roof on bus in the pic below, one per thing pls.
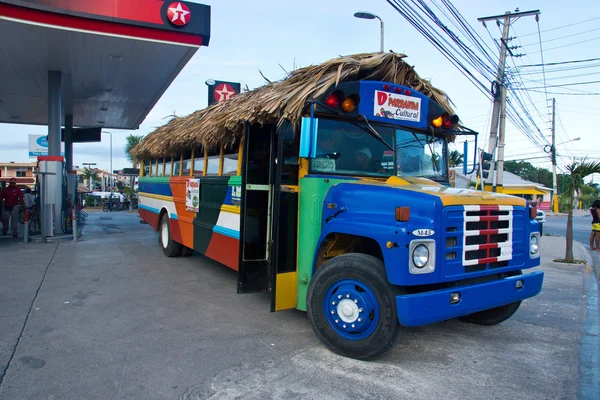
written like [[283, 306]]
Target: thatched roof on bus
[[221, 123]]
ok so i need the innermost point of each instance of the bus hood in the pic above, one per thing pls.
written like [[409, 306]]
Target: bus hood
[[448, 196]]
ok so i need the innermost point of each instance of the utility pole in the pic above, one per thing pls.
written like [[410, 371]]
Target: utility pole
[[499, 92], [554, 178]]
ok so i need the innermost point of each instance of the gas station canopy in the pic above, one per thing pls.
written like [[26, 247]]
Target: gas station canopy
[[117, 57]]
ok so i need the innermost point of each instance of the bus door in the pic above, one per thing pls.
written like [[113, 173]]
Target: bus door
[[257, 194], [269, 213]]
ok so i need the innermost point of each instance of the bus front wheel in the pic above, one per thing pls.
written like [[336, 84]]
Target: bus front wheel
[[352, 307], [170, 247]]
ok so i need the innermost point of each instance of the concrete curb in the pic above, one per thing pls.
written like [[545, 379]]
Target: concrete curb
[[589, 352], [589, 356]]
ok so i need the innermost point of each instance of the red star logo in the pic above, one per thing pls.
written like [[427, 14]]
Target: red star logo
[[223, 91], [178, 13]]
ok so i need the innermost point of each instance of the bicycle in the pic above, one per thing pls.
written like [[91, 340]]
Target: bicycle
[[34, 221], [114, 206]]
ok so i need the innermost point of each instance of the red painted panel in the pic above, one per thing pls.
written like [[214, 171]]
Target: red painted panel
[[68, 21], [224, 249], [175, 230], [150, 217]]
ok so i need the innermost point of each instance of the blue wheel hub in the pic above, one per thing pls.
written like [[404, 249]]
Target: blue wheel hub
[[351, 309]]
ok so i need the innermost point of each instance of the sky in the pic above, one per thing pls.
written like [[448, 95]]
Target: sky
[[276, 36]]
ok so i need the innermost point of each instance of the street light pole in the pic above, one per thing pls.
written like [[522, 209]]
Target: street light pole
[[368, 15]]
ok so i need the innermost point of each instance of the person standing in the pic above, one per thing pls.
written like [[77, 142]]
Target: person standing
[[29, 198], [595, 234], [10, 199]]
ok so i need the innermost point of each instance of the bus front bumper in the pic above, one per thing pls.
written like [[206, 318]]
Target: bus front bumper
[[429, 307]]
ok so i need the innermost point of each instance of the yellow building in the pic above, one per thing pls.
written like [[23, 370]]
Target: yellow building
[[22, 172]]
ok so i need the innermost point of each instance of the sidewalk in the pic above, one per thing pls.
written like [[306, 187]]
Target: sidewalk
[[576, 213], [110, 317]]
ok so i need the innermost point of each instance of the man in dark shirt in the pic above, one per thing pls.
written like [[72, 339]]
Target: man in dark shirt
[[10, 200]]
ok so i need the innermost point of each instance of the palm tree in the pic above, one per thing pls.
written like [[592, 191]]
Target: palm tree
[[132, 141], [577, 171], [455, 158], [90, 176]]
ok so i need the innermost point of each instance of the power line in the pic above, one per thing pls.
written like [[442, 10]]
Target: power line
[[563, 77], [559, 63], [564, 26], [570, 44], [564, 93], [564, 37], [562, 85]]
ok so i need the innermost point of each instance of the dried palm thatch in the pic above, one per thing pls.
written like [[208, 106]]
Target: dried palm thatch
[[221, 123]]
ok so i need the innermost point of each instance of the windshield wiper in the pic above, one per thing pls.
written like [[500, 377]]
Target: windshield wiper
[[374, 133]]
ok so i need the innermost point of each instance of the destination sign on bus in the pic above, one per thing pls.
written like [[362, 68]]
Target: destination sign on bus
[[397, 106]]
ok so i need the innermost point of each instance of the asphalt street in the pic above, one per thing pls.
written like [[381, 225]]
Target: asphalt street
[[110, 317], [582, 226]]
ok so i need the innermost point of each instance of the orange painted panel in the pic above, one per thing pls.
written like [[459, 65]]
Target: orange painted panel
[[185, 217]]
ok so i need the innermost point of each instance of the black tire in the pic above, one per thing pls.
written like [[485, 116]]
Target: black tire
[[186, 251], [493, 316], [170, 247], [369, 272], [105, 207]]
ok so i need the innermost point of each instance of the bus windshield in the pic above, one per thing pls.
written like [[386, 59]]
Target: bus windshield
[[349, 148]]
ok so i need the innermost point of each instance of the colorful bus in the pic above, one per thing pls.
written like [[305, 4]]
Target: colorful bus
[[346, 213]]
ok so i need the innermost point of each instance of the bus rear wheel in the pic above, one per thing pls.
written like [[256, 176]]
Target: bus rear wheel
[[352, 307], [170, 247]]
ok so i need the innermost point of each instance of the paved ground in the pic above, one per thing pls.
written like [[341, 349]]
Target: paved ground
[[112, 318]]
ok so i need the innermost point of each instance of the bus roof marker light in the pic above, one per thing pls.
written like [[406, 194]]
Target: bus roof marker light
[[438, 122], [397, 90], [349, 104], [387, 87], [407, 92], [335, 99]]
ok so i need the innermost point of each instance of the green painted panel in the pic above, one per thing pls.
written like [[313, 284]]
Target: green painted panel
[[212, 196], [312, 192], [235, 180], [154, 179]]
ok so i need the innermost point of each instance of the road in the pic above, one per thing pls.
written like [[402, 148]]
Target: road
[[110, 317], [581, 227]]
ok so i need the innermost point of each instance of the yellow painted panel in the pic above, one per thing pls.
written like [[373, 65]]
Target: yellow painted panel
[[285, 291], [231, 209], [156, 196], [448, 195]]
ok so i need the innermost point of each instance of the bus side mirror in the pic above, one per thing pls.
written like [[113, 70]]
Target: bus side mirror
[[308, 137]]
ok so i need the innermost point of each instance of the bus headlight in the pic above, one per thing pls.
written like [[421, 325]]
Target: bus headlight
[[421, 256], [534, 245]]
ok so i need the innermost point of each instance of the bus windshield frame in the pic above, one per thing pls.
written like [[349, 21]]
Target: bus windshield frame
[[346, 147]]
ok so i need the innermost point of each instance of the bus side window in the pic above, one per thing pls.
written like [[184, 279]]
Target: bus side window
[[147, 168], [291, 147], [168, 168], [230, 164], [187, 163], [160, 167], [176, 166], [198, 162], [213, 165]]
